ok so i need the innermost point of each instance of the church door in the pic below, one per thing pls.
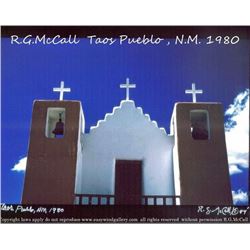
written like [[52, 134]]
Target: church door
[[128, 182]]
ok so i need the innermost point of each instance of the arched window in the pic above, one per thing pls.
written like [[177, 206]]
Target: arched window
[[55, 123], [200, 128]]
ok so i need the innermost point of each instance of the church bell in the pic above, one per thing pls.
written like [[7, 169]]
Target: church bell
[[59, 129]]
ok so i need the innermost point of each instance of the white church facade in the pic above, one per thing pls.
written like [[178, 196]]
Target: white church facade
[[126, 134], [126, 159]]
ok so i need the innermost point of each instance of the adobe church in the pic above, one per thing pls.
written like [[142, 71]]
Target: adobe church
[[126, 159]]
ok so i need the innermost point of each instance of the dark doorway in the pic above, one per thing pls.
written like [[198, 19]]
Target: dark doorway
[[128, 182]]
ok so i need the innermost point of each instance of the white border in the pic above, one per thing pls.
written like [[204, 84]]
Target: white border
[[124, 236], [130, 12]]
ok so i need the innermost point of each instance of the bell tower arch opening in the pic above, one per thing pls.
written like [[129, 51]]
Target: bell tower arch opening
[[55, 122], [200, 127]]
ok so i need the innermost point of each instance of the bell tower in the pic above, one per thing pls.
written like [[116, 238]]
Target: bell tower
[[200, 158], [54, 151]]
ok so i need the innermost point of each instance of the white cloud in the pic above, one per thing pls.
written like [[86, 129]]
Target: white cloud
[[234, 169], [237, 107], [240, 197], [237, 133], [21, 165]]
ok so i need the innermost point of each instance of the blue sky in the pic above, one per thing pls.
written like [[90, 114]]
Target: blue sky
[[94, 73]]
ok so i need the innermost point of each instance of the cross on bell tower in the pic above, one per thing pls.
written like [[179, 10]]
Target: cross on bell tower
[[127, 86], [61, 90], [193, 91]]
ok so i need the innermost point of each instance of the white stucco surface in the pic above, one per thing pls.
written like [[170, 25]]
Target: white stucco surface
[[126, 134]]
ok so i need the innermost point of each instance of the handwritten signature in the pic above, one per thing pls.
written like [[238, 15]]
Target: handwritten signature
[[222, 210], [30, 209]]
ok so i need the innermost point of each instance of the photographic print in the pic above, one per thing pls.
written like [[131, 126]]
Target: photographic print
[[125, 124]]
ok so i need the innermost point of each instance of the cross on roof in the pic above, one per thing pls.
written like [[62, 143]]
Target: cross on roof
[[61, 90], [127, 86], [193, 91]]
